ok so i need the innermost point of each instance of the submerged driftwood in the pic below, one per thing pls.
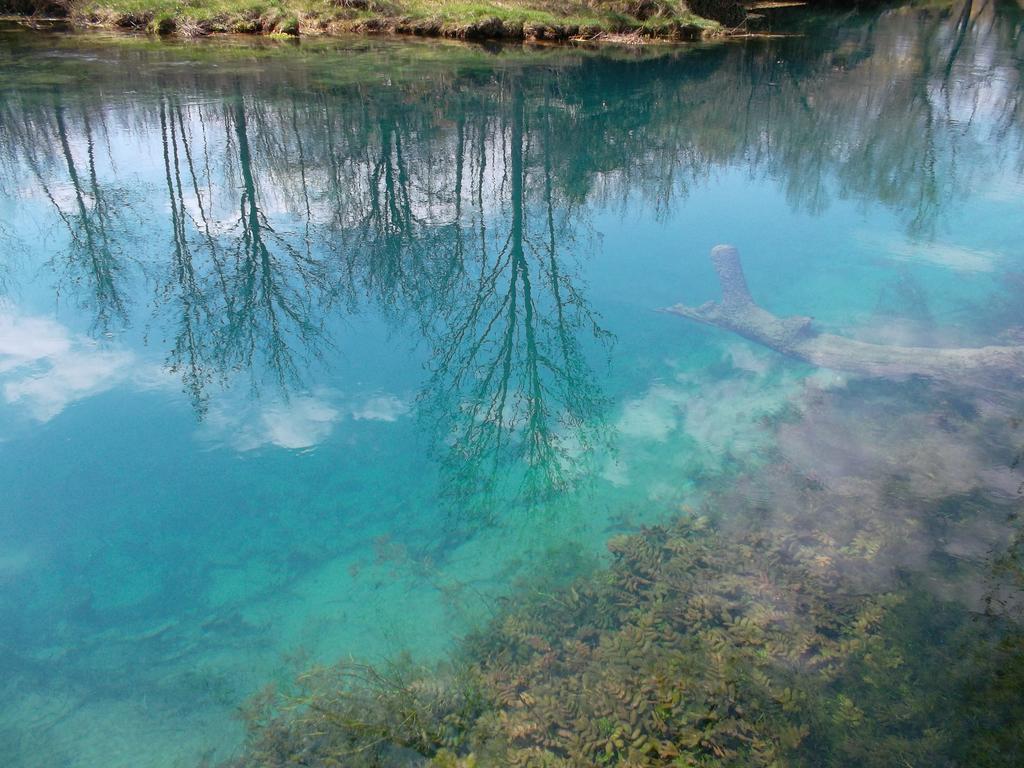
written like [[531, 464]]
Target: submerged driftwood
[[797, 337]]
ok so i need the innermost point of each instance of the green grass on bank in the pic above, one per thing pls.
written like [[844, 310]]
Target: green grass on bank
[[494, 19]]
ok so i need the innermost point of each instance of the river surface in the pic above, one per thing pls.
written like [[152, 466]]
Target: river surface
[[311, 351]]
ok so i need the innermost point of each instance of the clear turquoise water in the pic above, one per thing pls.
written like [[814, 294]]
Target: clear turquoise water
[[309, 352]]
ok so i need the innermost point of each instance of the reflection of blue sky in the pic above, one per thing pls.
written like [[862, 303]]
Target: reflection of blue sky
[[44, 368]]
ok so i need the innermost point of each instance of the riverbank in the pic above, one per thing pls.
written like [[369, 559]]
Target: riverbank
[[531, 20]]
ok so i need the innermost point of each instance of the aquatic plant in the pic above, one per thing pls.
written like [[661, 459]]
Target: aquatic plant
[[359, 715], [696, 647]]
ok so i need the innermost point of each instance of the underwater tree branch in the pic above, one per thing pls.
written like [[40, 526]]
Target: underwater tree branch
[[796, 337]]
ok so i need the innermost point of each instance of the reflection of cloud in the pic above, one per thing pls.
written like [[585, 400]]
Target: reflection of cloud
[[745, 357], [380, 408], [654, 416], [13, 563], [704, 421], [68, 377], [948, 256], [46, 368], [301, 422], [28, 339], [1004, 189], [945, 255], [718, 414], [615, 472]]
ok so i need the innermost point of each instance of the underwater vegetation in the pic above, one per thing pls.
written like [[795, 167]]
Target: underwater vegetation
[[692, 649], [855, 602]]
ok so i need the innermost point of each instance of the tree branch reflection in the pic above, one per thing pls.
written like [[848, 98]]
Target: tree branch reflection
[[457, 203]]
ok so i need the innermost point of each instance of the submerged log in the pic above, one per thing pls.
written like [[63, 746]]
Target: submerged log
[[796, 337]]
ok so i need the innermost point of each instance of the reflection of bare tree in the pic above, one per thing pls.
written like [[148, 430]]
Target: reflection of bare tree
[[998, 24], [392, 259], [888, 108], [95, 245], [246, 294], [8, 241], [93, 266], [191, 355], [387, 205], [8, 246], [269, 282], [511, 389]]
